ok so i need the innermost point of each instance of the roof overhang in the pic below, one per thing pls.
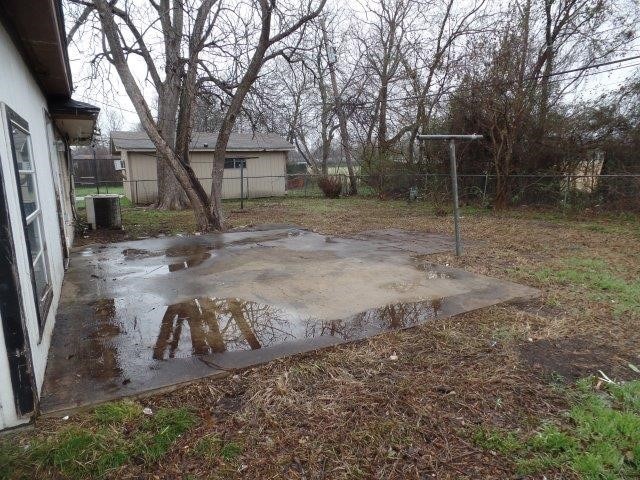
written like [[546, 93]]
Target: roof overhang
[[37, 29], [75, 120]]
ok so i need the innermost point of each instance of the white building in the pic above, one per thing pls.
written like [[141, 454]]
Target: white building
[[38, 122], [258, 162]]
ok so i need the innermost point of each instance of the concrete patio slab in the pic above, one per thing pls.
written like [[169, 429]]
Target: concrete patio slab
[[150, 314]]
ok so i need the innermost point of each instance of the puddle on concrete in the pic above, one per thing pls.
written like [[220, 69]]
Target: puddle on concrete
[[193, 255], [189, 262], [139, 253], [204, 325], [101, 359], [432, 270], [128, 335]]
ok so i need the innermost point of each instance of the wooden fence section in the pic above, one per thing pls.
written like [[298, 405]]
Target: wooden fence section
[[88, 171]]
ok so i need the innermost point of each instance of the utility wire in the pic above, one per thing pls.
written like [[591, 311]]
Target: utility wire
[[452, 91], [507, 83]]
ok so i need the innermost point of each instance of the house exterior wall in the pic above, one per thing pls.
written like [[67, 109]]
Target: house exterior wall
[[265, 175], [20, 92]]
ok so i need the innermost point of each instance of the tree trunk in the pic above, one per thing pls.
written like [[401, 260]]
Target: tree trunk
[[503, 165], [183, 173], [342, 120], [171, 195], [500, 201]]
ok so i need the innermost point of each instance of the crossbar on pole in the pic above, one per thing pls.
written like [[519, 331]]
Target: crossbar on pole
[[450, 137]]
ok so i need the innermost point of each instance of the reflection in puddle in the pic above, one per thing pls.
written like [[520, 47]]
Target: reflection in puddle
[[131, 253], [217, 325], [399, 315], [191, 261], [204, 325], [193, 255], [102, 360], [189, 256]]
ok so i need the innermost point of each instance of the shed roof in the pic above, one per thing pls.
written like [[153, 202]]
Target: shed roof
[[238, 142]]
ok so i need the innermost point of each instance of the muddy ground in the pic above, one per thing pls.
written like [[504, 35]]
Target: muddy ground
[[405, 405]]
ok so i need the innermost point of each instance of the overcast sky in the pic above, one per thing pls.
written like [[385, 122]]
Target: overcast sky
[[115, 99]]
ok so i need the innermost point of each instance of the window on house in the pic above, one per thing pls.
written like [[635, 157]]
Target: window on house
[[235, 163], [34, 232]]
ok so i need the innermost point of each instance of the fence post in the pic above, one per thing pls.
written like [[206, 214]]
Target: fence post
[[242, 185], [95, 169], [484, 190]]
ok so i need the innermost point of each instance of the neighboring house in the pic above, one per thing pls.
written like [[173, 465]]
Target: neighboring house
[[260, 159], [38, 121], [587, 172]]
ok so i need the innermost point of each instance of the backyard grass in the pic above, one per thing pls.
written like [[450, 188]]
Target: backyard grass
[[114, 435], [600, 438], [508, 391]]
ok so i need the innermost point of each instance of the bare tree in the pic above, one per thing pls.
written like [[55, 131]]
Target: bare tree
[[252, 55], [543, 37], [195, 41], [436, 51], [337, 100]]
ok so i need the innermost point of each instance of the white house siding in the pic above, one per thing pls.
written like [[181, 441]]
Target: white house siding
[[265, 175], [20, 92], [8, 416], [62, 181]]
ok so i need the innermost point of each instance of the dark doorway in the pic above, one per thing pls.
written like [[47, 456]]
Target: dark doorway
[[11, 311]]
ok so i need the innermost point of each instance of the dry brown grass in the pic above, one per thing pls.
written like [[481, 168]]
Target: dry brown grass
[[352, 412]]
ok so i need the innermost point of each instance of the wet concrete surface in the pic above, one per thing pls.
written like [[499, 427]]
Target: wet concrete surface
[[145, 315]]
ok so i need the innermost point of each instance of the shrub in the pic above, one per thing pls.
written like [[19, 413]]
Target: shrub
[[331, 186]]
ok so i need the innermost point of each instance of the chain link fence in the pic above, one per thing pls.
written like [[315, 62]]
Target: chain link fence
[[604, 192]]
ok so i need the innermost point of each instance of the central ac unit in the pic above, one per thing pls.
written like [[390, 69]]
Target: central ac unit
[[103, 210]]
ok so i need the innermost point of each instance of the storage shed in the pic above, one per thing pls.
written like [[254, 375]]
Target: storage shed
[[257, 160]]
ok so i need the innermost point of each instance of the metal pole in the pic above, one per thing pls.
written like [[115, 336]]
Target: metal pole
[[242, 184], [454, 189], [95, 168]]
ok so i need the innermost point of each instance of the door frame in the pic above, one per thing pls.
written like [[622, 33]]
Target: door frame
[[14, 327]]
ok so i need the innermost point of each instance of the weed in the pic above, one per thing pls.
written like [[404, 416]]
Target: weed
[[119, 435], [117, 412], [601, 440], [229, 451], [79, 453], [157, 433], [497, 441], [212, 448], [602, 284]]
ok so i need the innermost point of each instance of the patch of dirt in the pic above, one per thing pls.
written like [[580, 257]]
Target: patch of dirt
[[574, 358], [538, 308], [101, 236]]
